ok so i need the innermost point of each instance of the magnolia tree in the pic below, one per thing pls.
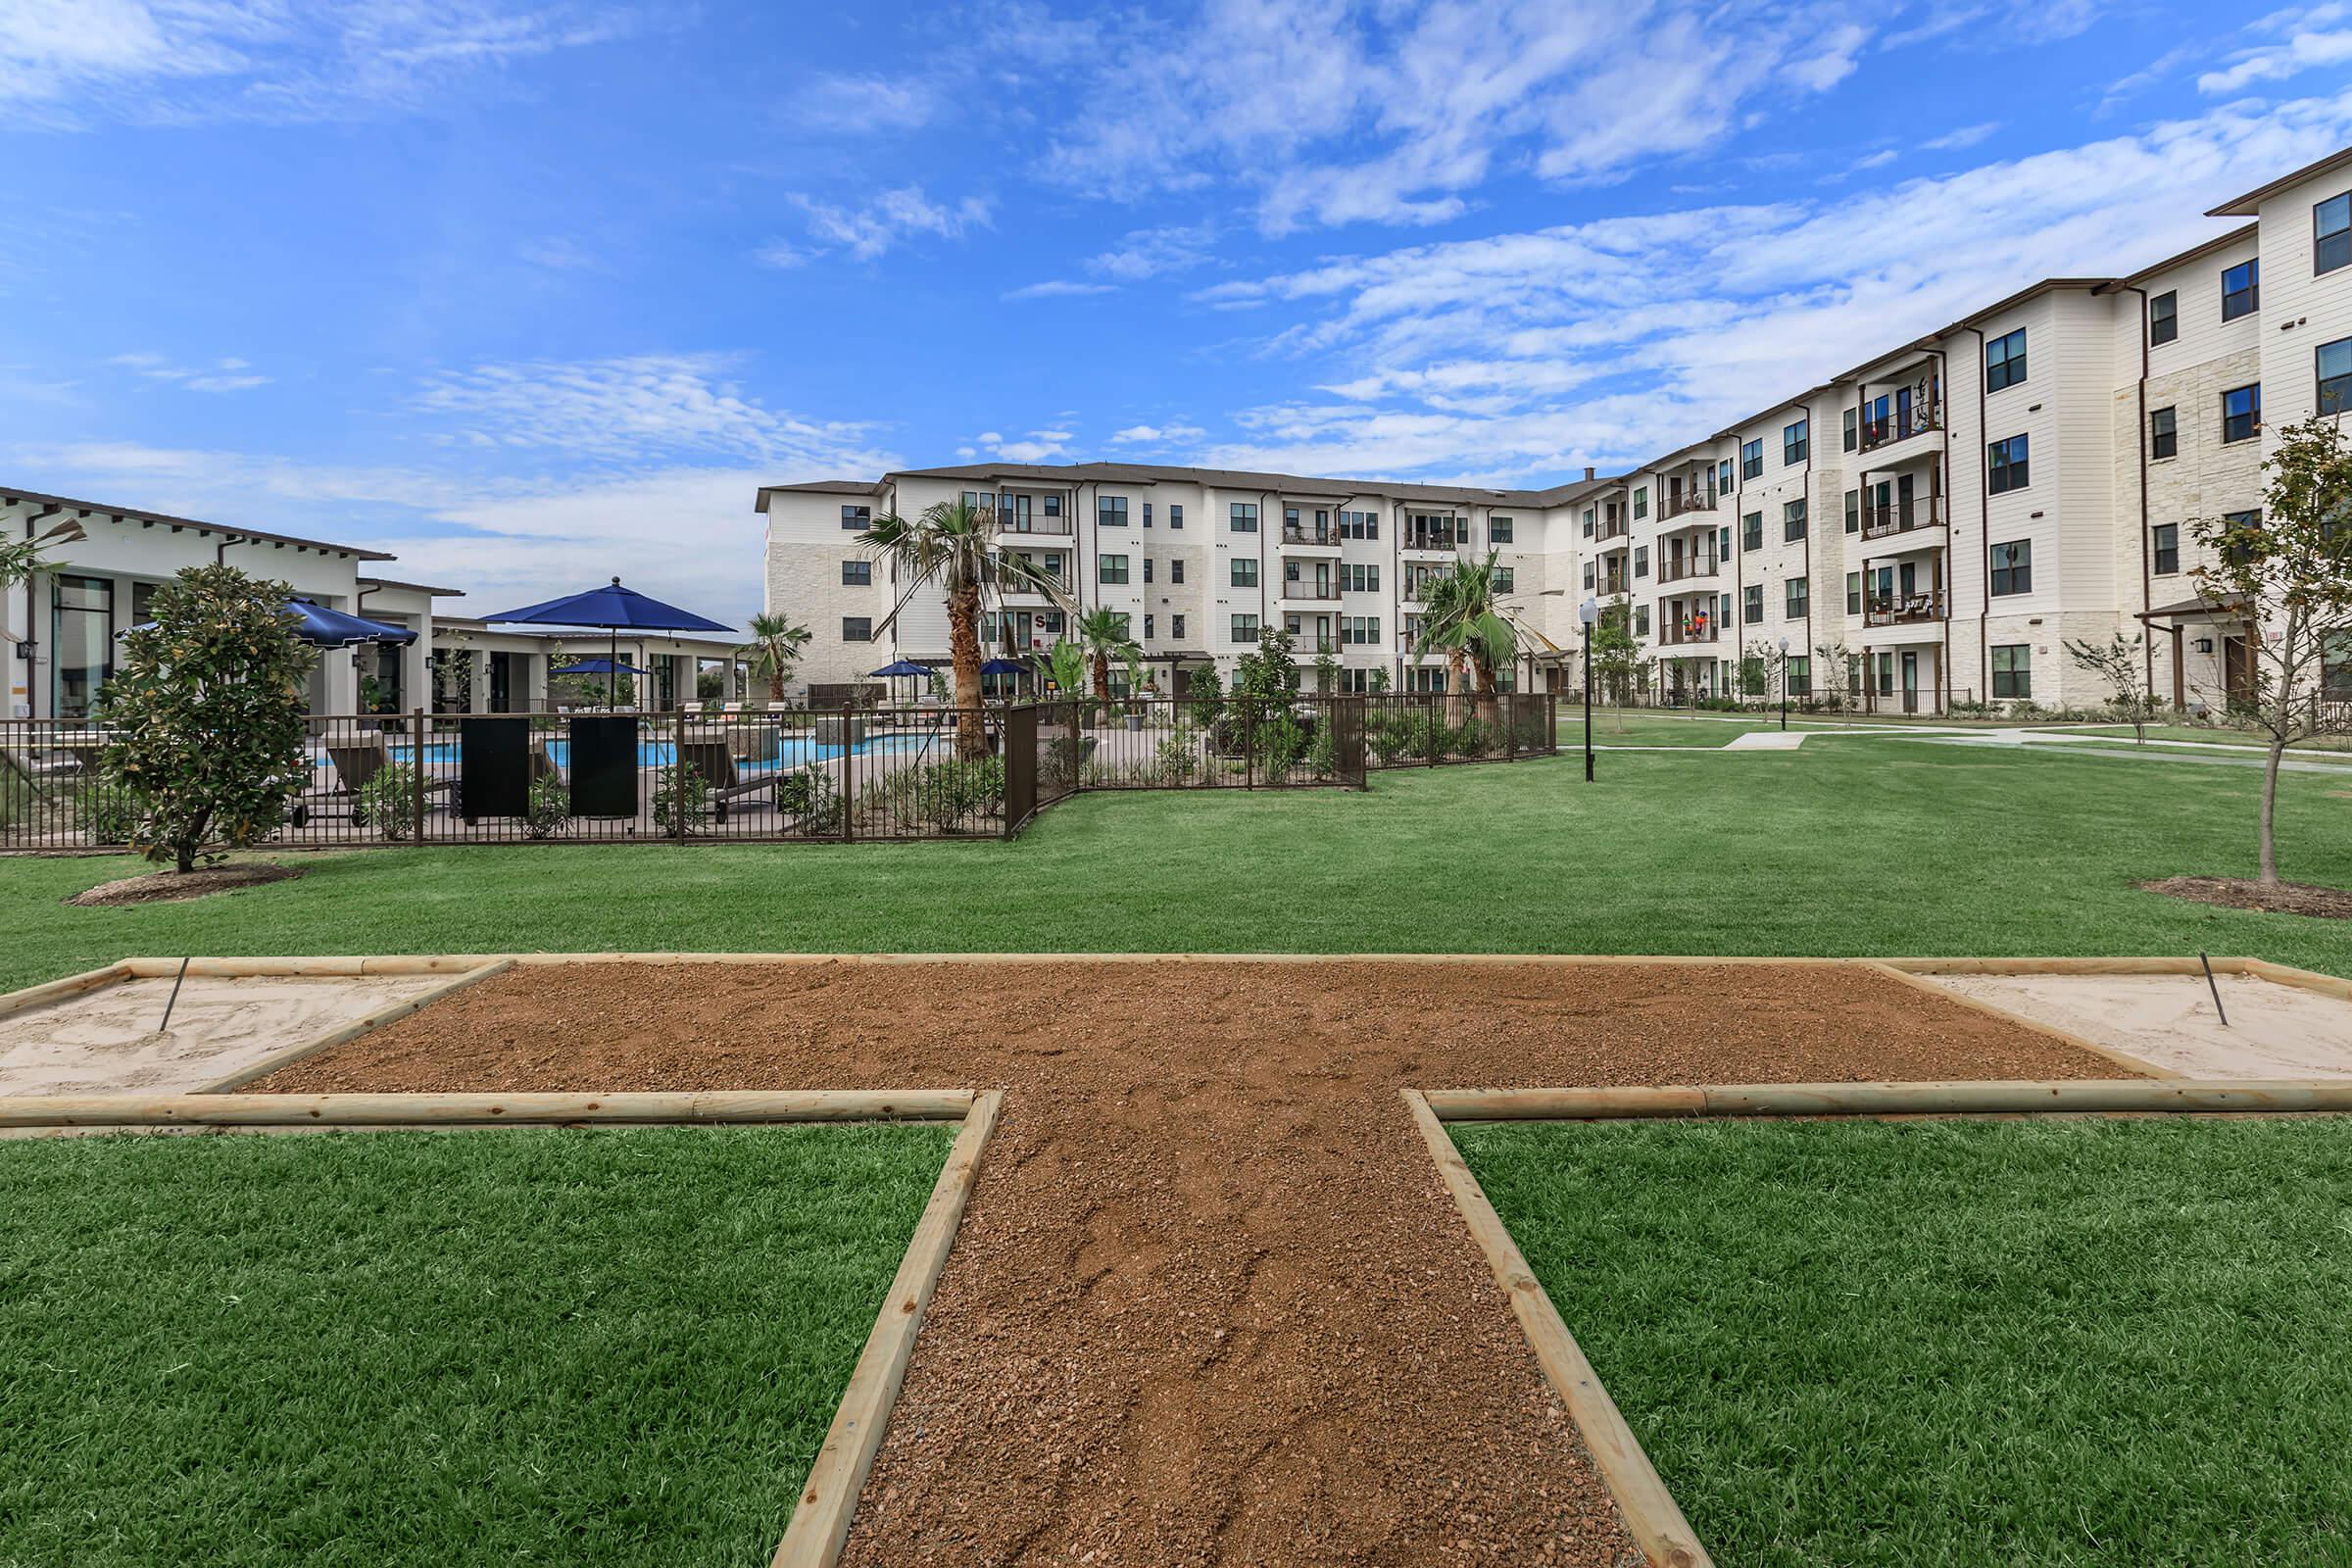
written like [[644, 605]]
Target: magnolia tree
[[2289, 569], [205, 710]]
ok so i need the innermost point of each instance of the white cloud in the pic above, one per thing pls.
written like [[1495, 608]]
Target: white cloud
[[1057, 288], [654, 405], [1527, 353], [1966, 136], [1146, 253], [69, 64], [1035, 446], [2307, 39], [221, 375], [1158, 434], [869, 232]]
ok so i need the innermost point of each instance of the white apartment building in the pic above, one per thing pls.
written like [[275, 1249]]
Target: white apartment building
[[1927, 528], [1199, 561]]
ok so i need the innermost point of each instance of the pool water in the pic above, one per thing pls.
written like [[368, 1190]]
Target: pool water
[[793, 751]]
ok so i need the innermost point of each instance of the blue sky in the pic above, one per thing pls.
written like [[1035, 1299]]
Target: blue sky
[[534, 291]]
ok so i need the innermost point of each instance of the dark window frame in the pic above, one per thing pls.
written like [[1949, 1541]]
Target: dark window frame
[[2331, 247], [2164, 434], [2017, 681], [2013, 572], [856, 574], [2248, 424], [2009, 464], [2010, 369], [2245, 297]]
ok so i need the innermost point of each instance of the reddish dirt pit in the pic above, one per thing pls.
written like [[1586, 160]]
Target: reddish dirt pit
[[1209, 1304]]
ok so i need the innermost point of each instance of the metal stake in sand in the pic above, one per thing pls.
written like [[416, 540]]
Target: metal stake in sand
[[2212, 986], [165, 1027]]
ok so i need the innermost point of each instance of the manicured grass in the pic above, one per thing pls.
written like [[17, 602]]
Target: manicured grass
[[2064, 1343], [2198, 732], [1853, 844], [1667, 729], [425, 1348]]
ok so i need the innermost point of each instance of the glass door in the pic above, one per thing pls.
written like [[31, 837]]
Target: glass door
[[81, 642]]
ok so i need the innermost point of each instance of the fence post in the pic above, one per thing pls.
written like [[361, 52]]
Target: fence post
[[419, 773], [1430, 707], [849, 782], [1510, 726], [1248, 744], [677, 777]]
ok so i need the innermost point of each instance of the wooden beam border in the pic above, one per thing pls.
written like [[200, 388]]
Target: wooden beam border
[[345, 1032]]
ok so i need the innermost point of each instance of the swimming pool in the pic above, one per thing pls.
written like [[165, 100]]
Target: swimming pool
[[792, 751]]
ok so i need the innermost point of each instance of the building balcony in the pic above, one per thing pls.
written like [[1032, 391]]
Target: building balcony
[[1904, 516], [1615, 583], [1311, 536], [1677, 506], [1674, 633], [1893, 429], [1010, 526], [1297, 592], [1613, 530], [1899, 611], [1673, 570], [1436, 541]]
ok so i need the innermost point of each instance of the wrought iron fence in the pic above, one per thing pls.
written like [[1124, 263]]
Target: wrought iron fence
[[838, 774]]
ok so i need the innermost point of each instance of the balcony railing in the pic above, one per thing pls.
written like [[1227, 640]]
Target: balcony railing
[[1673, 570], [1675, 633], [1904, 517], [1434, 539], [1676, 506], [1306, 533], [1009, 523], [1612, 585], [1613, 530], [1310, 589], [1881, 429], [1900, 611]]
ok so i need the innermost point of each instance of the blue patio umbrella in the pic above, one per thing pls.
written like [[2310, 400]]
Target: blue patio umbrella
[[600, 666], [1003, 667], [609, 609], [902, 667], [322, 627]]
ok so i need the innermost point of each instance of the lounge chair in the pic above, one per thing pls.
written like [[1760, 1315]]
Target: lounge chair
[[726, 783], [357, 762]]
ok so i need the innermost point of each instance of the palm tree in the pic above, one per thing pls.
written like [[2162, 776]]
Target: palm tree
[[776, 645], [1463, 615], [1103, 633], [947, 548]]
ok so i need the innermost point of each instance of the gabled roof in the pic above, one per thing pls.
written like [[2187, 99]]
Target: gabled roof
[[2250, 203], [413, 587], [831, 487], [166, 519]]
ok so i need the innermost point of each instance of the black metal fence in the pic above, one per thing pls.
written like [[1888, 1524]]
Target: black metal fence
[[837, 775]]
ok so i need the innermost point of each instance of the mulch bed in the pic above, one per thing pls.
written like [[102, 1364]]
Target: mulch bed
[[165, 887], [2235, 893], [1209, 1303]]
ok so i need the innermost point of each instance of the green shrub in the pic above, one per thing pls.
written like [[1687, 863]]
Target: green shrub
[[106, 814], [938, 795], [388, 802], [1281, 742], [1176, 758], [682, 796], [811, 798], [548, 812], [1322, 754]]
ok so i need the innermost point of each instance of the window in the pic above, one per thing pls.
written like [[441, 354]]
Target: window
[[1723, 477], [1588, 520], [1498, 532], [856, 628], [1793, 521], [2164, 435], [1588, 574], [859, 517], [1752, 458], [2335, 672], [2012, 670], [1175, 622], [1111, 512], [2331, 234], [1112, 568], [856, 573], [1176, 567], [1797, 441], [1147, 568], [2164, 318], [2242, 412], [1148, 633], [1751, 531], [1853, 593], [1052, 505], [1640, 501], [2241, 289], [2005, 361], [1244, 517], [1751, 608], [1640, 620], [1245, 572], [1853, 428], [2013, 567], [1799, 599], [1360, 631], [1290, 523], [1361, 524], [1245, 628], [2335, 375], [1146, 516], [1175, 513], [2009, 467], [2164, 541], [2236, 553], [1853, 511], [1641, 560], [1797, 669], [1356, 579], [81, 641]]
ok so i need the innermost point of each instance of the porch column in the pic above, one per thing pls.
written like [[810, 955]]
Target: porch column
[[478, 681], [534, 681], [2180, 675], [339, 678]]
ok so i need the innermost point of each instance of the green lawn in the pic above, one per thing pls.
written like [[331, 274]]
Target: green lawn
[[380, 1349], [2061, 1343], [1859, 846], [1668, 729]]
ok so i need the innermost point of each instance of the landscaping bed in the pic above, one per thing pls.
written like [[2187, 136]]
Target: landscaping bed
[[1210, 1302], [2065, 1341], [423, 1348]]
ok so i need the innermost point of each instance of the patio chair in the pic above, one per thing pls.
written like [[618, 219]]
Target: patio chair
[[724, 782], [357, 762]]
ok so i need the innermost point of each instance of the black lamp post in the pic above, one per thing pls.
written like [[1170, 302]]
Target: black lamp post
[[1588, 613], [1783, 685]]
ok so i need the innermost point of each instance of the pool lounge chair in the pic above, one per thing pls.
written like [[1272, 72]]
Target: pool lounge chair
[[724, 782], [357, 762]]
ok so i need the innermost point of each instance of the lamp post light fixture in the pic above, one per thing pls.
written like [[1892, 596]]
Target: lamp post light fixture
[[1783, 685], [1587, 614]]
